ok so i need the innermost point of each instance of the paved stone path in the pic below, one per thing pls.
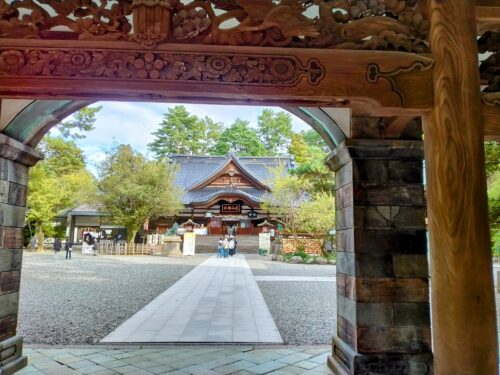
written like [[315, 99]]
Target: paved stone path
[[178, 360], [218, 301], [296, 278]]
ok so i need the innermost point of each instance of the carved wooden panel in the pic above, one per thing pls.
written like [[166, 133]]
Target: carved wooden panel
[[148, 65], [490, 67], [347, 24]]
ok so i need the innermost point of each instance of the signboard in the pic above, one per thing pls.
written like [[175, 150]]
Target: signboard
[[231, 209], [189, 243], [265, 241]]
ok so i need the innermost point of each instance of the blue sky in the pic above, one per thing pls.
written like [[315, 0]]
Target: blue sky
[[132, 123]]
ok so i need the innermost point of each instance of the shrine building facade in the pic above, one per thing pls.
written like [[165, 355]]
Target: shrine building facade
[[223, 191]]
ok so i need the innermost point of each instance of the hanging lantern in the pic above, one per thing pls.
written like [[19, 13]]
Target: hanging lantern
[[152, 21]]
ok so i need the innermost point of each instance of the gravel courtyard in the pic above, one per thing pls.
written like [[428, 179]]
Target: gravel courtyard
[[82, 300], [305, 312]]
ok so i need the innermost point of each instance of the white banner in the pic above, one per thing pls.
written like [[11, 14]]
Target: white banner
[[189, 243]]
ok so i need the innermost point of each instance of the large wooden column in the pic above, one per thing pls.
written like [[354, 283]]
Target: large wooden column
[[15, 158], [463, 305], [383, 313]]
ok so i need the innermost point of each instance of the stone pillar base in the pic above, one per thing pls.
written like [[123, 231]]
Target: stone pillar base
[[345, 361], [11, 358]]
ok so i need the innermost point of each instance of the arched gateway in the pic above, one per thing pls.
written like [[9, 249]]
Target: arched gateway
[[391, 62]]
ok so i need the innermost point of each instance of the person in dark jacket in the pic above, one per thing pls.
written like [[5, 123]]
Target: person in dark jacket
[[69, 248], [57, 248]]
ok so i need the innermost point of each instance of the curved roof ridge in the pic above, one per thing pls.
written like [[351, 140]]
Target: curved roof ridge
[[237, 191], [231, 156]]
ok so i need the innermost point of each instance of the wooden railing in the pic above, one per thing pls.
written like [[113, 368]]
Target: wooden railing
[[123, 249]]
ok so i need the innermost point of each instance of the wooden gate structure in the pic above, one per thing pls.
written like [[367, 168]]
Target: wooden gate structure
[[396, 64]]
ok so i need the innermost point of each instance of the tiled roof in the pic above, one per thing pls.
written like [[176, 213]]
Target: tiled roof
[[196, 169], [206, 194]]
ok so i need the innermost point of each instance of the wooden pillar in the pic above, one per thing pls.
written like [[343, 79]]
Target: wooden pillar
[[15, 158], [383, 313], [463, 305]]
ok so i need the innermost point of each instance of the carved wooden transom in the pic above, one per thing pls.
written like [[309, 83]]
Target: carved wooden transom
[[345, 24], [490, 66]]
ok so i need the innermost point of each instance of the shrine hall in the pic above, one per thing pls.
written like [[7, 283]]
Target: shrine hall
[[222, 192]]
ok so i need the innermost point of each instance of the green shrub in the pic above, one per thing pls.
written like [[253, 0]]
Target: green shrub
[[301, 254]]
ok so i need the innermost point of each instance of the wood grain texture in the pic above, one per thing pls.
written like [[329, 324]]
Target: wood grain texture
[[463, 310], [383, 81]]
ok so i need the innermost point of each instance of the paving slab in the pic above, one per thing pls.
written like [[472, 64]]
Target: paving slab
[[217, 302], [204, 360], [297, 278]]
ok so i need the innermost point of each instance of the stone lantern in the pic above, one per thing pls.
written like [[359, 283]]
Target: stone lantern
[[152, 21]]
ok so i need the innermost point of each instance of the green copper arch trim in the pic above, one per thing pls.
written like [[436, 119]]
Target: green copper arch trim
[[329, 130], [36, 119]]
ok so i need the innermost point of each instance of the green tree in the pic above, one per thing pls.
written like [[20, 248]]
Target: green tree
[[275, 131], [57, 182], [80, 122], [241, 139], [133, 189], [61, 156], [492, 157], [299, 149], [183, 133], [308, 150], [211, 133], [317, 215], [288, 193]]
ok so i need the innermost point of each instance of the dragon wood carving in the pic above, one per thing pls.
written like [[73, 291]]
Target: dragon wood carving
[[344, 24]]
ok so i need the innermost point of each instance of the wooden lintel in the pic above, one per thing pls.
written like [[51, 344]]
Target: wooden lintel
[[391, 83], [487, 18], [397, 125], [491, 116]]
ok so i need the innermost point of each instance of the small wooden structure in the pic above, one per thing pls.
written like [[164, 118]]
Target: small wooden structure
[[396, 64]]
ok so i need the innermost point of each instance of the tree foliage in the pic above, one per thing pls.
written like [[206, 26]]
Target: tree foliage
[[80, 122], [492, 158], [295, 202], [183, 133], [57, 182], [288, 193], [317, 214], [308, 150], [275, 131], [133, 189], [241, 139]]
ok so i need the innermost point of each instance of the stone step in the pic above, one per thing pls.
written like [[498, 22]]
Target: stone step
[[246, 244]]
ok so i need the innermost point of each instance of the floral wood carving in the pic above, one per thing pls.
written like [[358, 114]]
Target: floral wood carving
[[148, 65], [346, 24], [490, 67], [374, 74]]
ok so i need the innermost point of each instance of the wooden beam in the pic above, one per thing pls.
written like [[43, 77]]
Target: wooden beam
[[391, 82], [463, 303], [396, 126], [491, 116], [487, 18]]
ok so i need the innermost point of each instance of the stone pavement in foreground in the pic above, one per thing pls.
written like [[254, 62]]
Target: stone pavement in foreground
[[179, 360], [217, 302]]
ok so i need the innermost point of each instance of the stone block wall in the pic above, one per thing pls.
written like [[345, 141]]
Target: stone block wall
[[383, 318], [15, 160], [312, 246]]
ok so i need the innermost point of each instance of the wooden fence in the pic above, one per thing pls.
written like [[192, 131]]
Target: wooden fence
[[123, 249]]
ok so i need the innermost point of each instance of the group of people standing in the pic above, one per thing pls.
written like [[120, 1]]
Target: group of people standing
[[68, 246], [226, 246]]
